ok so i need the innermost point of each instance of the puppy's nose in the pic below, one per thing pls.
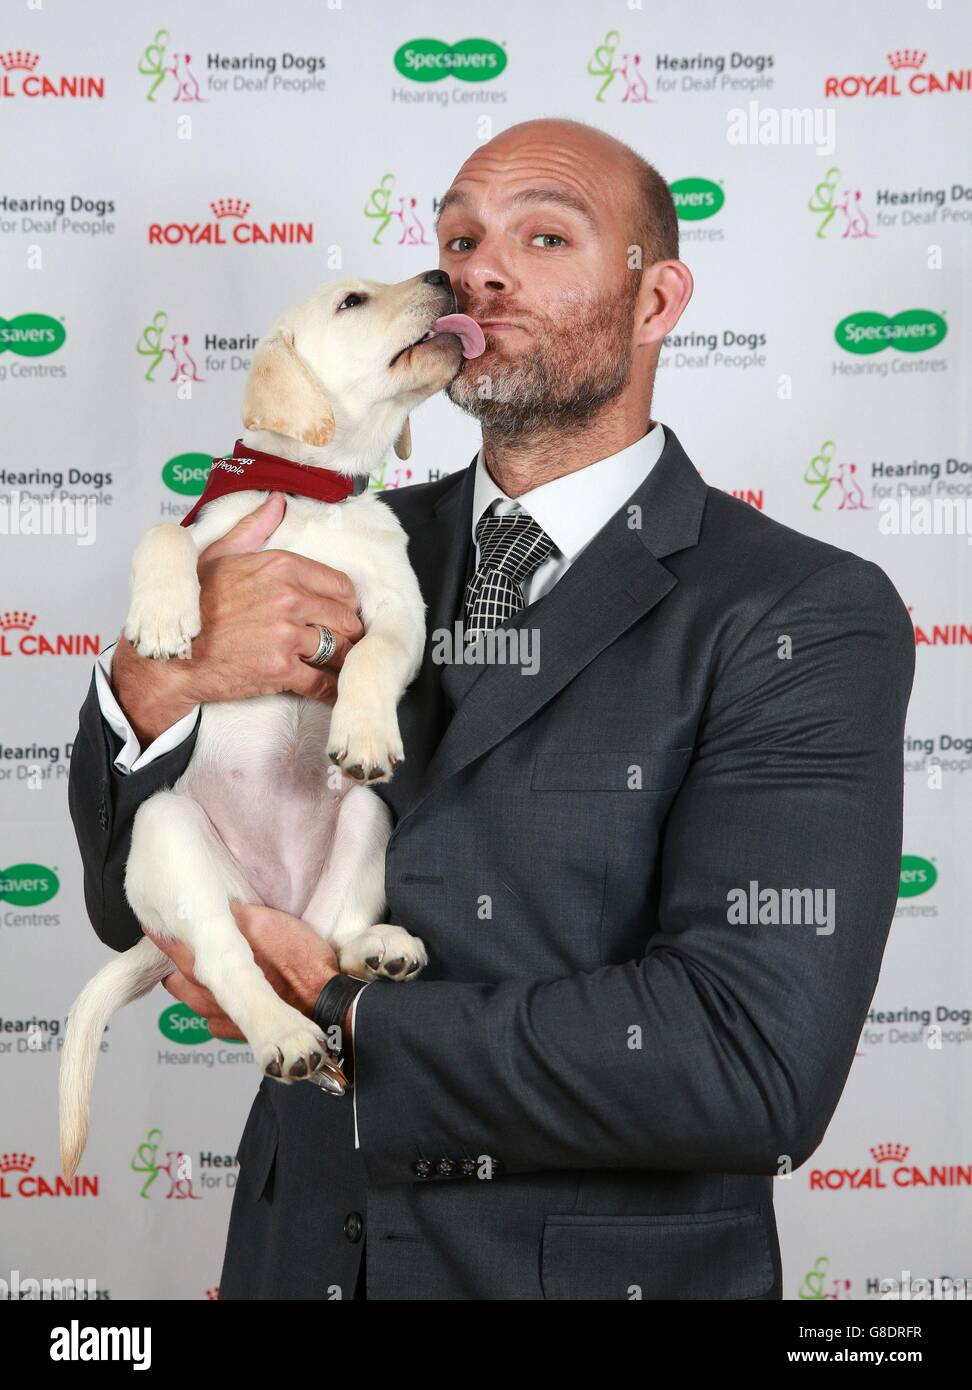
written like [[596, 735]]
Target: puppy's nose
[[437, 277]]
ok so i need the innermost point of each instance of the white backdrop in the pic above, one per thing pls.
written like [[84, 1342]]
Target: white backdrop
[[130, 307]]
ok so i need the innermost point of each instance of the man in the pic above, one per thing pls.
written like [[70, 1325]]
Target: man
[[635, 1014]]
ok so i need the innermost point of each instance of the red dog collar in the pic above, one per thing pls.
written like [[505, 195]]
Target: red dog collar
[[249, 469]]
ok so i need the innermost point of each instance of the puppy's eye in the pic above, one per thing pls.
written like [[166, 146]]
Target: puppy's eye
[[352, 301]]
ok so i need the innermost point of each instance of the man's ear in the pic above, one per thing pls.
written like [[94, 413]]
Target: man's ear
[[282, 394], [403, 444]]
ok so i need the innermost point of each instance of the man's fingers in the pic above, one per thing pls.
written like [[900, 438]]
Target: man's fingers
[[310, 638], [312, 683], [250, 533]]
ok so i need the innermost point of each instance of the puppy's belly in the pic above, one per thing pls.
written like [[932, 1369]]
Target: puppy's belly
[[260, 772]]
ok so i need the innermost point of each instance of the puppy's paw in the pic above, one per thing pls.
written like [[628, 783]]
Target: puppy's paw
[[366, 746], [292, 1049], [383, 953], [162, 622]]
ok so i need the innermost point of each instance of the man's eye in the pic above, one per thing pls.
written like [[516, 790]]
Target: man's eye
[[547, 238], [352, 301], [454, 245]]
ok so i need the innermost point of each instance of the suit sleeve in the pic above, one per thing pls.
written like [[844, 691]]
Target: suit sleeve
[[103, 803], [726, 1047]]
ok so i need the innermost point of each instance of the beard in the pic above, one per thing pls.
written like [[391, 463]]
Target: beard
[[578, 362]]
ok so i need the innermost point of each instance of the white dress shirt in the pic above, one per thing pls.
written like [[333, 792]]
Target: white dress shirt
[[571, 509]]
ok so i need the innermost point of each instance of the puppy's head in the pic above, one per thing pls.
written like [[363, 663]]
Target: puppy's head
[[346, 365]]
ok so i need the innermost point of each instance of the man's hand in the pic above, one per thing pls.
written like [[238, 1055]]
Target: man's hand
[[255, 606], [290, 953]]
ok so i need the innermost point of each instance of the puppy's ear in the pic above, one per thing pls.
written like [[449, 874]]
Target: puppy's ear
[[403, 444], [282, 394]]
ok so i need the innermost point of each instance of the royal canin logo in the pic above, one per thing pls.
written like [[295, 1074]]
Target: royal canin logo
[[890, 1170], [230, 225], [17, 1179], [908, 75], [942, 634], [19, 78], [18, 638]]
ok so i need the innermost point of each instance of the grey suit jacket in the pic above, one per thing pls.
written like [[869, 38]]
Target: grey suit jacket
[[589, 1091]]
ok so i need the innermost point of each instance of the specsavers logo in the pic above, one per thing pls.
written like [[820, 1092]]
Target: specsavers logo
[[431, 60], [31, 335], [696, 199], [187, 473], [27, 885], [912, 330], [917, 876]]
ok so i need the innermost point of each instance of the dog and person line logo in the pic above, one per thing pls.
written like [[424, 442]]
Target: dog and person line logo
[[911, 330], [19, 77]]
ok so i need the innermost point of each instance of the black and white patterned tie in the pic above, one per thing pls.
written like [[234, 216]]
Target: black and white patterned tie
[[510, 548]]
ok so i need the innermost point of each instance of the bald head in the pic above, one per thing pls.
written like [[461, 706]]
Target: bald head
[[629, 181]]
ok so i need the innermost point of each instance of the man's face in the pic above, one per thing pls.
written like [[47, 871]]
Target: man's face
[[534, 235]]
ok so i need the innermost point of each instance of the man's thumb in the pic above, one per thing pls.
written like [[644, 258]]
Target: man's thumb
[[250, 533]]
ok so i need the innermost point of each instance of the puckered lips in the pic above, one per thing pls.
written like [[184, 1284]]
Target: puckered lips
[[467, 330]]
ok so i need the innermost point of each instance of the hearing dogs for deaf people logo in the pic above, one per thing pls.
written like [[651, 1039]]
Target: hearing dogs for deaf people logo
[[917, 876], [157, 343], [908, 75], [379, 209], [28, 885], [175, 75], [890, 1170], [18, 1179], [32, 335], [911, 330], [230, 224], [840, 484], [177, 1168], [825, 203], [19, 78], [30, 643], [603, 65]]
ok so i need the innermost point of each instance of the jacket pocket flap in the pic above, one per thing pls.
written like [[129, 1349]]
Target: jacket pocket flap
[[719, 1254], [654, 769]]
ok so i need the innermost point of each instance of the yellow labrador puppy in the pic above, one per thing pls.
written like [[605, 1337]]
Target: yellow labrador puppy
[[259, 816]]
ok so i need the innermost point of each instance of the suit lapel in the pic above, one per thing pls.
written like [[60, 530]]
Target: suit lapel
[[614, 583], [438, 551]]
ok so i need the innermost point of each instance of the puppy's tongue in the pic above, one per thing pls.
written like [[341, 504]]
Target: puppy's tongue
[[467, 330]]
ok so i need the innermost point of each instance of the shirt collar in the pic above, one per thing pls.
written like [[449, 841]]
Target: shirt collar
[[572, 509]]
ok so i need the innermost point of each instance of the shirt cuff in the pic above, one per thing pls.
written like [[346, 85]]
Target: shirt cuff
[[131, 758], [354, 1089]]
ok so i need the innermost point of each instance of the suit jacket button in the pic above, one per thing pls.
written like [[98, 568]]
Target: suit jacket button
[[422, 1168], [353, 1226], [445, 1167]]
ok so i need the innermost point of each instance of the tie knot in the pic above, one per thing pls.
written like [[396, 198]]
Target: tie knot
[[514, 544]]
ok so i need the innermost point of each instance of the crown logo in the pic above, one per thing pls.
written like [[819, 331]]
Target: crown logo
[[907, 58], [21, 58], [15, 620], [16, 1163], [890, 1153], [230, 207]]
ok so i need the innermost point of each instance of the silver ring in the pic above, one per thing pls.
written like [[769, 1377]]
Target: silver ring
[[325, 647]]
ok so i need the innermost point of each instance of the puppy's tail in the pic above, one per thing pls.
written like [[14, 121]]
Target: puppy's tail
[[127, 977]]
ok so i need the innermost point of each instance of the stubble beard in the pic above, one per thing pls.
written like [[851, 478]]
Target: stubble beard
[[576, 365]]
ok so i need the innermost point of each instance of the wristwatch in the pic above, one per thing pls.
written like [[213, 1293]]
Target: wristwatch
[[330, 1012]]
